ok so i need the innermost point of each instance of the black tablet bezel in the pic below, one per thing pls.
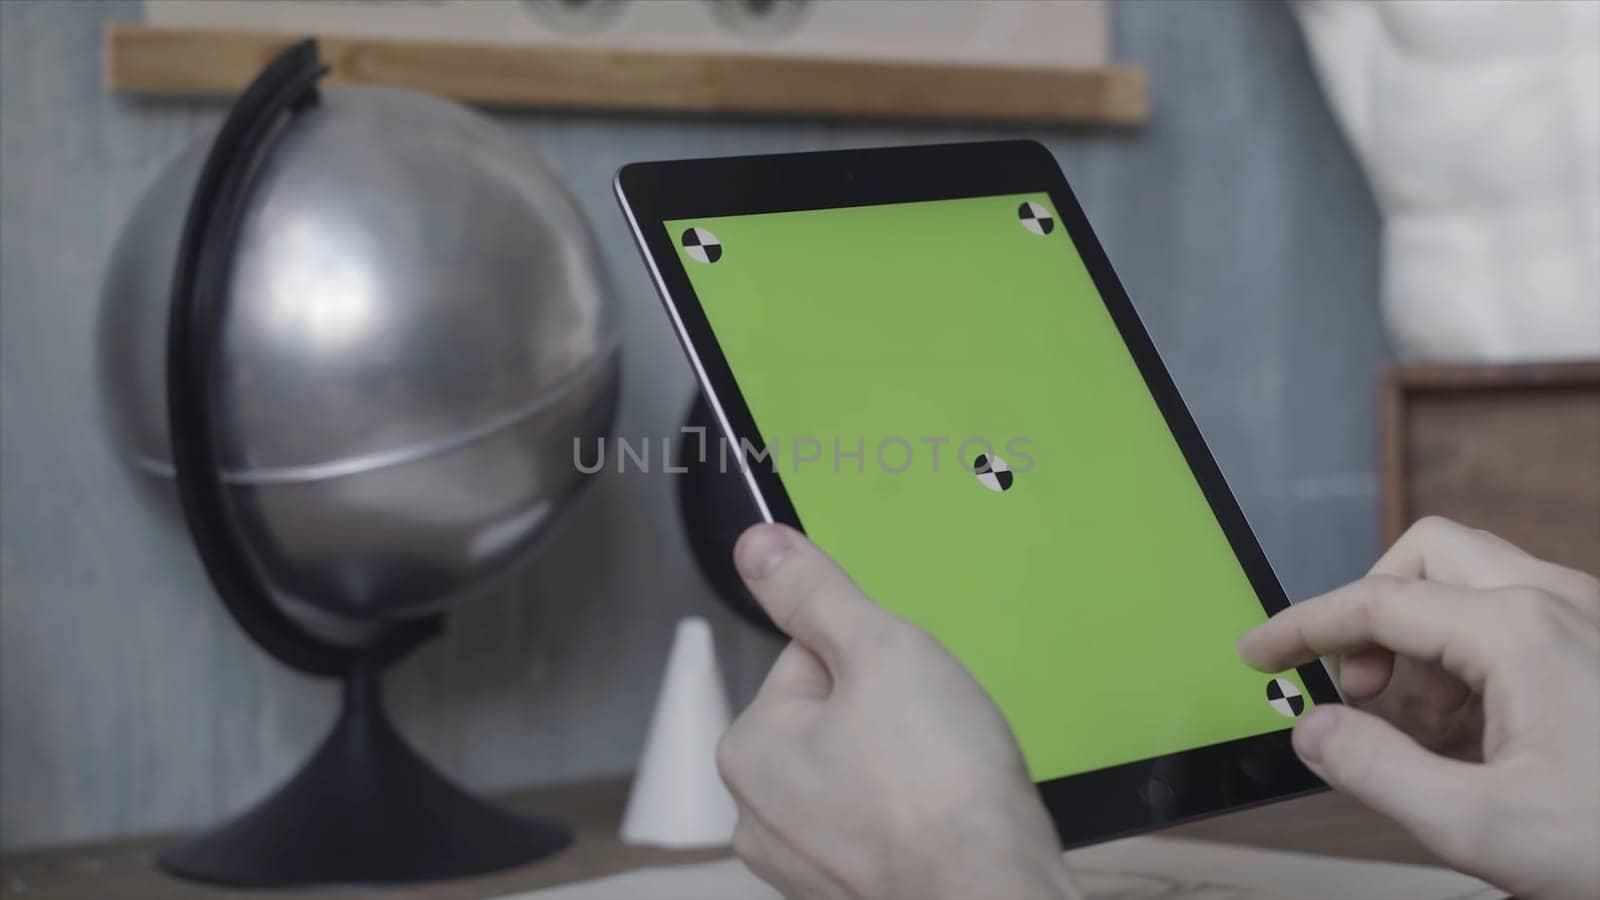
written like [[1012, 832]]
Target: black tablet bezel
[[1089, 806]]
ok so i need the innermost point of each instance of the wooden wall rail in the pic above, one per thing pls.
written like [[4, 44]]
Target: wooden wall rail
[[205, 62]]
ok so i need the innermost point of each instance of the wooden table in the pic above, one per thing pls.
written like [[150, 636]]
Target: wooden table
[[122, 870]]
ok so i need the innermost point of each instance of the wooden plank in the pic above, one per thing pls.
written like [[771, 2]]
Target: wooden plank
[[202, 62], [1322, 824], [125, 869], [1465, 377], [1327, 824]]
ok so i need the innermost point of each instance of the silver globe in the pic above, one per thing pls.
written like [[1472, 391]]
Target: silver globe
[[417, 329]]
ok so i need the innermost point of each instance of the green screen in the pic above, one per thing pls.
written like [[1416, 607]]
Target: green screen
[[1096, 599]]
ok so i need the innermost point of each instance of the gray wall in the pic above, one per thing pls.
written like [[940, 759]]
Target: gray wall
[[129, 701]]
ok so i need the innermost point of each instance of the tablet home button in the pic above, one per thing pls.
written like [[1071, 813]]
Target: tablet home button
[[1157, 794]]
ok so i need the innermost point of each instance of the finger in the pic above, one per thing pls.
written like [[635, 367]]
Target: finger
[[806, 593], [1369, 759], [756, 851], [763, 759], [1438, 549], [1421, 619], [1365, 673], [797, 674], [750, 850], [736, 756], [775, 861], [764, 755], [1433, 708]]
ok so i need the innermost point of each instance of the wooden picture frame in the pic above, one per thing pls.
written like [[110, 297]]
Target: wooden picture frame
[[1514, 449]]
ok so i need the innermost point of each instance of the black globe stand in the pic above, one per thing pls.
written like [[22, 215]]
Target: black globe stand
[[364, 809], [715, 507]]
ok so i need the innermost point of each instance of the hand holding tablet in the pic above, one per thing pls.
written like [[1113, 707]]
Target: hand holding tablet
[[870, 764]]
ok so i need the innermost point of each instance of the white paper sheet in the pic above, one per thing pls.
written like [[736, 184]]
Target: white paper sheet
[[1141, 868]]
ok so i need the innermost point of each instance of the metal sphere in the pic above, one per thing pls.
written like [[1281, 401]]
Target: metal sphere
[[418, 327]]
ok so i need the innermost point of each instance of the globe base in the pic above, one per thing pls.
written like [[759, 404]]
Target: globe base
[[365, 809]]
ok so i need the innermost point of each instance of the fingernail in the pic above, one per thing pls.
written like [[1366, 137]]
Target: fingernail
[[1313, 732], [760, 550]]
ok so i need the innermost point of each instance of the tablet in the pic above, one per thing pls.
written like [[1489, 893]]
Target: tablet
[[921, 357]]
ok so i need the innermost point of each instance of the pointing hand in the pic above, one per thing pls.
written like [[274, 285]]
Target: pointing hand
[[1473, 675]]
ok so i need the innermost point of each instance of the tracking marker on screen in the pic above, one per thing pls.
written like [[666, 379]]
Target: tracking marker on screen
[[1035, 218], [993, 473], [701, 245], [1285, 698]]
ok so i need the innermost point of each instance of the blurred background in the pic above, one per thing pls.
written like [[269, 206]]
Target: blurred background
[[1236, 212]]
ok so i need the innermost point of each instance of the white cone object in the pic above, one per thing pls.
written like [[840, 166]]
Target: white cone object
[[678, 799]]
